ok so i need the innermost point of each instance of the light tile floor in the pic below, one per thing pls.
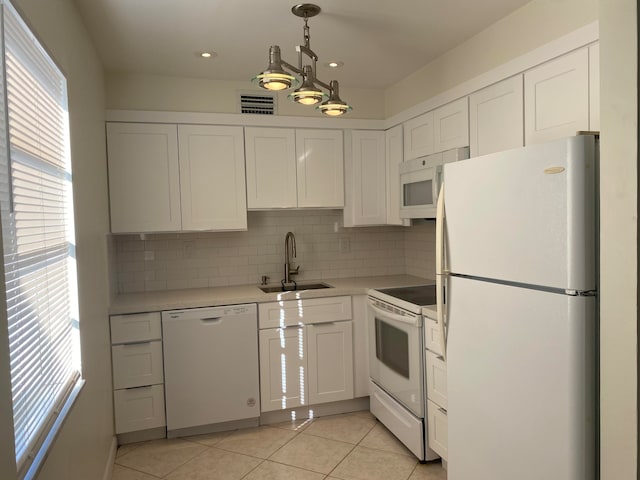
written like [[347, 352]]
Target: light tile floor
[[352, 446]]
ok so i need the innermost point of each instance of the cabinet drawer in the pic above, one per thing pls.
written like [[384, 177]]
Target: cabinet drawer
[[139, 408], [437, 429], [296, 312], [436, 379], [432, 335], [135, 328], [136, 365]]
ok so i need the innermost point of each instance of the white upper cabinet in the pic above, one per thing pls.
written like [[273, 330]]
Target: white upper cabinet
[[451, 126], [366, 178], [441, 129], [165, 178], [289, 168], [394, 157], [594, 87], [320, 168], [144, 186], [556, 98], [419, 136], [212, 181], [271, 168], [496, 117]]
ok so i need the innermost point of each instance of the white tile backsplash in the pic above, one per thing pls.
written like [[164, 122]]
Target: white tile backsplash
[[325, 249]]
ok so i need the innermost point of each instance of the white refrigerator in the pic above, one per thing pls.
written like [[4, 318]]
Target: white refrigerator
[[518, 232]]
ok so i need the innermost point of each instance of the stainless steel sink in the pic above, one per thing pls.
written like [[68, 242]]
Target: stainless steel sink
[[299, 287]]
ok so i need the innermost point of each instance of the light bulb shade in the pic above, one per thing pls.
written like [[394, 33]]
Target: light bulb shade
[[307, 93], [275, 77], [334, 106]]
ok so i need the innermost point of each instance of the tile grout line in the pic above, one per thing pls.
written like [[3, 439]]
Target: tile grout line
[[350, 451]]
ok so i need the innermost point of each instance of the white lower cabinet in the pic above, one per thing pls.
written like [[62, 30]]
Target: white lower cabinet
[[139, 408], [436, 379], [138, 374], [432, 335], [137, 364], [309, 361], [330, 361], [282, 368], [437, 429]]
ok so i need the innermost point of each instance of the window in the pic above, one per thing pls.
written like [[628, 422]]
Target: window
[[36, 213]]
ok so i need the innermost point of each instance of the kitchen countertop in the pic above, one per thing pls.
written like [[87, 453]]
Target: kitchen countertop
[[211, 297]]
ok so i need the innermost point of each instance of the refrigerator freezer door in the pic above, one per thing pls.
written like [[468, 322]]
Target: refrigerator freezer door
[[525, 215], [520, 383]]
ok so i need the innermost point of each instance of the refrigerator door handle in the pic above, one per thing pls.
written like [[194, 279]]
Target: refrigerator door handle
[[440, 317], [436, 182]]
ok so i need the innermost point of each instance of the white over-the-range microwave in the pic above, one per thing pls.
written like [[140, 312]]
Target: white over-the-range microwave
[[420, 181]]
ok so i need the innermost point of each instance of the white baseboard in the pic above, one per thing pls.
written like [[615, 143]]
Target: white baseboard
[[108, 468]]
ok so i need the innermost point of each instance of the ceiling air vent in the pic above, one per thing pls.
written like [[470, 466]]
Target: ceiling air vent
[[258, 103]]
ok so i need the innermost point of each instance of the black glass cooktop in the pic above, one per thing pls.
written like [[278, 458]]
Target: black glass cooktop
[[418, 295]]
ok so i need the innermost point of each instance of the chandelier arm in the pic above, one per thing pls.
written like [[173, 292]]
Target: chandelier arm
[[307, 51], [291, 67], [322, 84]]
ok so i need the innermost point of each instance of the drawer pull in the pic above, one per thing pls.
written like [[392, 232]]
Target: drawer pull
[[442, 410], [134, 344], [140, 387]]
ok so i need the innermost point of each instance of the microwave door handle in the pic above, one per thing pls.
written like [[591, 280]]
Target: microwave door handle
[[440, 274]]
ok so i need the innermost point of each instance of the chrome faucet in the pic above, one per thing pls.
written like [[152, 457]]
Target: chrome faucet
[[289, 251]]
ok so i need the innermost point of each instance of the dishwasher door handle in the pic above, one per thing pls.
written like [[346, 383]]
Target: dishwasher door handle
[[211, 320]]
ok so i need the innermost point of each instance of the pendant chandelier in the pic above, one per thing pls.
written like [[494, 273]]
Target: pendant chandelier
[[279, 75]]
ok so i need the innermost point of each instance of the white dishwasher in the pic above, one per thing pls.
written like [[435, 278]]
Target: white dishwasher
[[210, 366]]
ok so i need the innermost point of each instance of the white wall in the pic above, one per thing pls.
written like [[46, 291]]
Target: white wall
[[529, 27], [129, 91], [619, 222], [82, 448]]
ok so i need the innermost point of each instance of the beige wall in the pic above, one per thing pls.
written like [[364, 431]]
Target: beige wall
[[128, 91], [81, 450], [529, 27], [619, 222]]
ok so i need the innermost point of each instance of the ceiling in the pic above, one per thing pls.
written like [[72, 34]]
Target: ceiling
[[380, 42]]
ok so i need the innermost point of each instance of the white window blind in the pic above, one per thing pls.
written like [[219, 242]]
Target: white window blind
[[38, 238]]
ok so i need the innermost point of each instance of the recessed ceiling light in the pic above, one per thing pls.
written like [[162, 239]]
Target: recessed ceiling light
[[334, 64], [210, 54]]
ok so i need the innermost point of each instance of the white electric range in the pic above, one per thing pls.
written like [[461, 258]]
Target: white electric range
[[396, 363]]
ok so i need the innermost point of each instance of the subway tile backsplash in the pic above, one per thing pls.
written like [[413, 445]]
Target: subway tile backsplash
[[325, 249]]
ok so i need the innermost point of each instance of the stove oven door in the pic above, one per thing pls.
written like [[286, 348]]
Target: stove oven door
[[396, 354]]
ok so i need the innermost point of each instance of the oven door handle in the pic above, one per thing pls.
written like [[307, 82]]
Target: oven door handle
[[385, 315]]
